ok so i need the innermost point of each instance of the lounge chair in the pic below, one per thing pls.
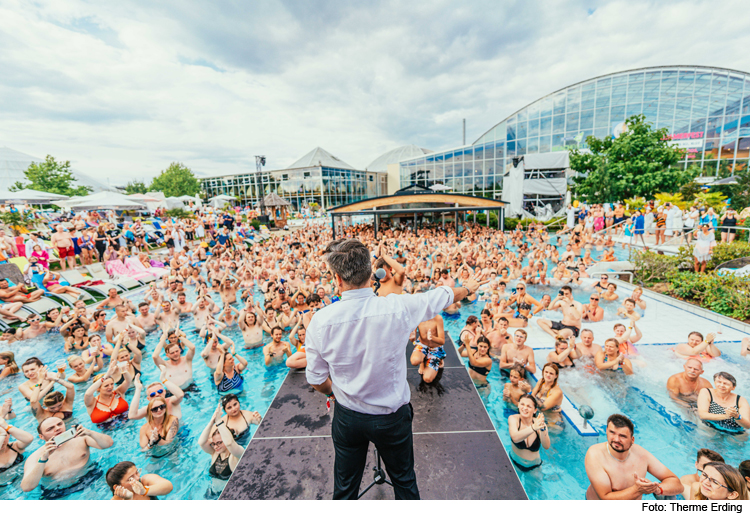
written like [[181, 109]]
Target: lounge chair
[[42, 306], [98, 291], [98, 272], [7, 322], [37, 279]]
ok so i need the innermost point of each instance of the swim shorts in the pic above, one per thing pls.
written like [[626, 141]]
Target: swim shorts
[[557, 325], [434, 355], [65, 252]]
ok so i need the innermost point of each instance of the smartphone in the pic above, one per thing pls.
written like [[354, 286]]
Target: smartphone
[[64, 437]]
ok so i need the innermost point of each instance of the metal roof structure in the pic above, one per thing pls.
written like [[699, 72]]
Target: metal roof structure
[[380, 164], [319, 157], [13, 163]]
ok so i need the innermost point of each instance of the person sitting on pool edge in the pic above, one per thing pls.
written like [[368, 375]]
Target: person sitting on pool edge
[[684, 387], [528, 432], [704, 457], [572, 311], [429, 350], [127, 483], [721, 409], [719, 482], [63, 462], [617, 468], [696, 345], [612, 359]]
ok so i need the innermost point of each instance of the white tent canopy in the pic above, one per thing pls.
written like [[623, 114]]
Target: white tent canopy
[[174, 203], [516, 184], [101, 200], [30, 196]]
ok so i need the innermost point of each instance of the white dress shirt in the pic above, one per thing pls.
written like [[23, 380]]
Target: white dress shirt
[[360, 342]]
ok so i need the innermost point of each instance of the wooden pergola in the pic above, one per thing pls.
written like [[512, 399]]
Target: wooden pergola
[[431, 202], [278, 208]]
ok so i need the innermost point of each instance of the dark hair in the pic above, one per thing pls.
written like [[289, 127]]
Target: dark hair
[[472, 319], [713, 456], [313, 298], [482, 339], [733, 479], [631, 300], [276, 328], [567, 288], [520, 371], [116, 473], [619, 420], [530, 398], [350, 260], [696, 333], [33, 361], [554, 367], [486, 312], [745, 468], [727, 376], [228, 398]]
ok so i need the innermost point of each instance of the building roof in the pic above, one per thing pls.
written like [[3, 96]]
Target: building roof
[[13, 163], [274, 200], [436, 201], [380, 164], [319, 157]]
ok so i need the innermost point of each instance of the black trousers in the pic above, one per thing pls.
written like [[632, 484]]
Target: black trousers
[[352, 433]]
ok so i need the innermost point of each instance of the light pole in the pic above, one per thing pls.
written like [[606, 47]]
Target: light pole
[[260, 162]]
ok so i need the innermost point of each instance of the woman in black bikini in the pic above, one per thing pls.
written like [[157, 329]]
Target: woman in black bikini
[[528, 432], [480, 362], [11, 453], [468, 335], [217, 441], [237, 420]]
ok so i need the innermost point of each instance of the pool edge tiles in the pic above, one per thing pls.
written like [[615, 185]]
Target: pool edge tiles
[[458, 452]]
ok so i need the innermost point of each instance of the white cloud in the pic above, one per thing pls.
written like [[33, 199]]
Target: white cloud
[[122, 90]]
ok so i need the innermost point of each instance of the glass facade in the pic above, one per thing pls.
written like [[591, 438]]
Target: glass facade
[[706, 110], [326, 186]]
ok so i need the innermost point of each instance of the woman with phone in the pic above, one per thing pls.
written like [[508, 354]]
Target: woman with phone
[[110, 403], [160, 427], [127, 483], [11, 453], [53, 404], [528, 432], [217, 441]]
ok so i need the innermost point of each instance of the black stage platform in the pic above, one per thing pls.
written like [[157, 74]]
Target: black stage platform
[[458, 454]]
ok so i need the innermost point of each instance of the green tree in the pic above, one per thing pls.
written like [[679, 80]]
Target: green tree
[[136, 187], [51, 176], [177, 180], [638, 163]]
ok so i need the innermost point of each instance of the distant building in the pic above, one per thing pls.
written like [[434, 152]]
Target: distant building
[[706, 111], [318, 177]]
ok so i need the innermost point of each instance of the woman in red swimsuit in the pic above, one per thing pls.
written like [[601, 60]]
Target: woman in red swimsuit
[[110, 403]]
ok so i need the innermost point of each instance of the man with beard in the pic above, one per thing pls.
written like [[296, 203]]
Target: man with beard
[[617, 468]]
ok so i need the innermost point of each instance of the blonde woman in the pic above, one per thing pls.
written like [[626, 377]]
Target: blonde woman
[[8, 365], [160, 427]]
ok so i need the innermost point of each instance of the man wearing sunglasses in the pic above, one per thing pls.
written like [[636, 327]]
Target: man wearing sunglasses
[[617, 469], [592, 312], [163, 388]]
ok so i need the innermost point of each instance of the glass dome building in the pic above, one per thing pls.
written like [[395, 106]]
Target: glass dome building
[[706, 111]]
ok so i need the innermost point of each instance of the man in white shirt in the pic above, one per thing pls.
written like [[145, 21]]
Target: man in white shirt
[[356, 350], [674, 221], [33, 241]]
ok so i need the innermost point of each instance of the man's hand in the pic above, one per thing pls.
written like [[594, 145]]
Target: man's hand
[[645, 486]]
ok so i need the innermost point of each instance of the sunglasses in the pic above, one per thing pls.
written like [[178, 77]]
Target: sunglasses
[[160, 391], [157, 408], [593, 298]]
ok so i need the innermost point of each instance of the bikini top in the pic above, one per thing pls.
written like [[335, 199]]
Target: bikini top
[[535, 445]]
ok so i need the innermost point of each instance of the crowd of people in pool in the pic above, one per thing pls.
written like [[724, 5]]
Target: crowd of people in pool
[[220, 266]]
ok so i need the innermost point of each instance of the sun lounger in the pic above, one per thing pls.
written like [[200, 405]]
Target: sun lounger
[[43, 305], [98, 291], [98, 272]]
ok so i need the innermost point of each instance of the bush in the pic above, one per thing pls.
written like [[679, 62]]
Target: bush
[[255, 223], [650, 267], [727, 295], [178, 213], [723, 252], [511, 223], [482, 219]]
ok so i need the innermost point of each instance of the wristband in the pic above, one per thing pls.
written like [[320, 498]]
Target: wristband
[[40, 461], [661, 491], [220, 423], [7, 429], [146, 488], [329, 395]]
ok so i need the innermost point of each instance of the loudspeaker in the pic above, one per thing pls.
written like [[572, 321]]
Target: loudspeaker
[[263, 219]]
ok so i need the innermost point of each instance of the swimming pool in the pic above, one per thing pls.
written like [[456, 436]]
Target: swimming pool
[[672, 433], [186, 466]]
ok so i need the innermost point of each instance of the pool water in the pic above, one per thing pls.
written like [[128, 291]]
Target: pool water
[[186, 465], [671, 432]]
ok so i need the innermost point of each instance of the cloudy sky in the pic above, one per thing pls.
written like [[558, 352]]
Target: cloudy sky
[[121, 89]]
